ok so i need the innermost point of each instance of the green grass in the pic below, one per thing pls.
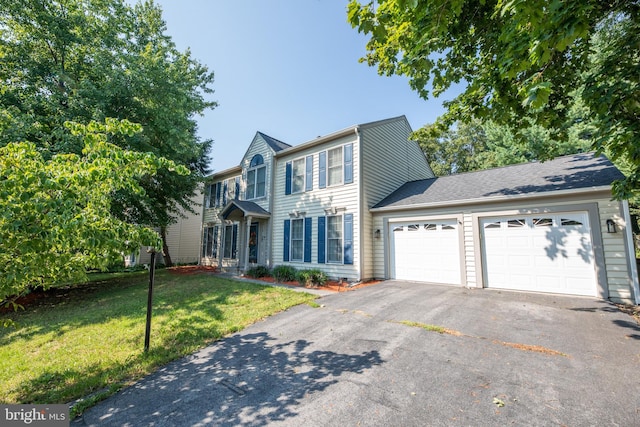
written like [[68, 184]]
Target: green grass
[[91, 338]]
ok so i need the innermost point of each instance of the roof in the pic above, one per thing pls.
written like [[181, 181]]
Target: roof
[[576, 172], [275, 144], [248, 209]]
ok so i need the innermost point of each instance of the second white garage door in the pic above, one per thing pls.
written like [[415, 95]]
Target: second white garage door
[[543, 252], [426, 251]]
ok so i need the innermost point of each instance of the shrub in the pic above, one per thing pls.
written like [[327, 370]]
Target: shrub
[[258, 272], [284, 273], [312, 277]]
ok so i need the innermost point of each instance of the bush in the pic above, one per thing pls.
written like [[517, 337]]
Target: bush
[[258, 272], [313, 277], [284, 273]]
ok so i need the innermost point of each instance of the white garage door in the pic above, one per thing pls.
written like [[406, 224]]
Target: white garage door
[[543, 252], [426, 251]]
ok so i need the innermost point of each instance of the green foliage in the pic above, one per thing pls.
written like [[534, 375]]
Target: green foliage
[[258, 272], [522, 64], [55, 214], [284, 273], [476, 145], [84, 60], [60, 352], [312, 277]]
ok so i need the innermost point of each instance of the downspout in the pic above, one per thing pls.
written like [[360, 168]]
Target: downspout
[[271, 194], [361, 208], [631, 258], [204, 195]]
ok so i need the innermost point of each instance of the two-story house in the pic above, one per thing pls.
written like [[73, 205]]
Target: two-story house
[[363, 203], [308, 205]]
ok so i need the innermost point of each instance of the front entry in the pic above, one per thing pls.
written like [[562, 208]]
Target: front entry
[[253, 243]]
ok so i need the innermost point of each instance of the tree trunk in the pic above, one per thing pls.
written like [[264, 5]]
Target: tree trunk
[[165, 248]]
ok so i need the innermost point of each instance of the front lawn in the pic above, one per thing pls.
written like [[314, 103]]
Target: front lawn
[[91, 338]]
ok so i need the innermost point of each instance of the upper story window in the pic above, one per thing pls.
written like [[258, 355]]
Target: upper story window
[[336, 166], [299, 175], [256, 178], [219, 193]]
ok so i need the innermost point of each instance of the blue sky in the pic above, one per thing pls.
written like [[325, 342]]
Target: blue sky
[[288, 68]]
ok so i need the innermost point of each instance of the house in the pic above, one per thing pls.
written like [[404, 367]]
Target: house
[[182, 238], [363, 203]]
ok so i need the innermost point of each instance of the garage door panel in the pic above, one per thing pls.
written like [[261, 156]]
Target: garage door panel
[[427, 250], [547, 253]]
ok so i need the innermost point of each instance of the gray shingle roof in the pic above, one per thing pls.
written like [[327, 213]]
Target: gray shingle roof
[[578, 171], [275, 144], [247, 207]]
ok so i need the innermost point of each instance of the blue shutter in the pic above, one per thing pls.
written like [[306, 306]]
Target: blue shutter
[[287, 179], [224, 194], [309, 175], [287, 240], [322, 230], [348, 238], [308, 225], [322, 176], [237, 196], [234, 242], [348, 163], [218, 190]]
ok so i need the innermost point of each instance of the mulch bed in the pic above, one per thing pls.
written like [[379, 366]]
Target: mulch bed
[[192, 269], [329, 286]]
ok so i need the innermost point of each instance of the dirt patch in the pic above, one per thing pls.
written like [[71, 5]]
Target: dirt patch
[[631, 310], [528, 347]]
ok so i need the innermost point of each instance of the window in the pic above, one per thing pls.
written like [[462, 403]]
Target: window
[[542, 222], [213, 195], [297, 239], [230, 240], [495, 224], [430, 227], [516, 223], [413, 227], [398, 228], [256, 178], [448, 227], [297, 175], [334, 239], [336, 166], [210, 242], [566, 221]]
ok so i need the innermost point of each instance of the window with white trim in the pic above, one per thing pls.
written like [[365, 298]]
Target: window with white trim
[[230, 237], [256, 178], [297, 239], [334, 239], [334, 166], [297, 175]]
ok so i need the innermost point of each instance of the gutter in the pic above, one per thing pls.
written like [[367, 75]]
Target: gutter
[[319, 140], [492, 199]]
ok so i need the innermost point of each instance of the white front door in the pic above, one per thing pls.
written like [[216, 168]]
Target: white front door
[[426, 251], [542, 252]]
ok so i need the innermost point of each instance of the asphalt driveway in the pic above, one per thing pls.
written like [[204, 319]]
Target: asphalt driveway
[[504, 359]]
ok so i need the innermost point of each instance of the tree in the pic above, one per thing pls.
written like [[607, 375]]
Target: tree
[[55, 214], [83, 60], [476, 145], [522, 63]]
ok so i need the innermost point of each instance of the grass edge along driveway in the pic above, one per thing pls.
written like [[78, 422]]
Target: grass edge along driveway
[[91, 338]]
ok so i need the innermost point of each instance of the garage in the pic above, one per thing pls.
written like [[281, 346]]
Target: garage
[[542, 252], [426, 251]]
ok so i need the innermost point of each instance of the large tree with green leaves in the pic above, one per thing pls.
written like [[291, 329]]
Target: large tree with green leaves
[[84, 60], [55, 213], [522, 61]]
